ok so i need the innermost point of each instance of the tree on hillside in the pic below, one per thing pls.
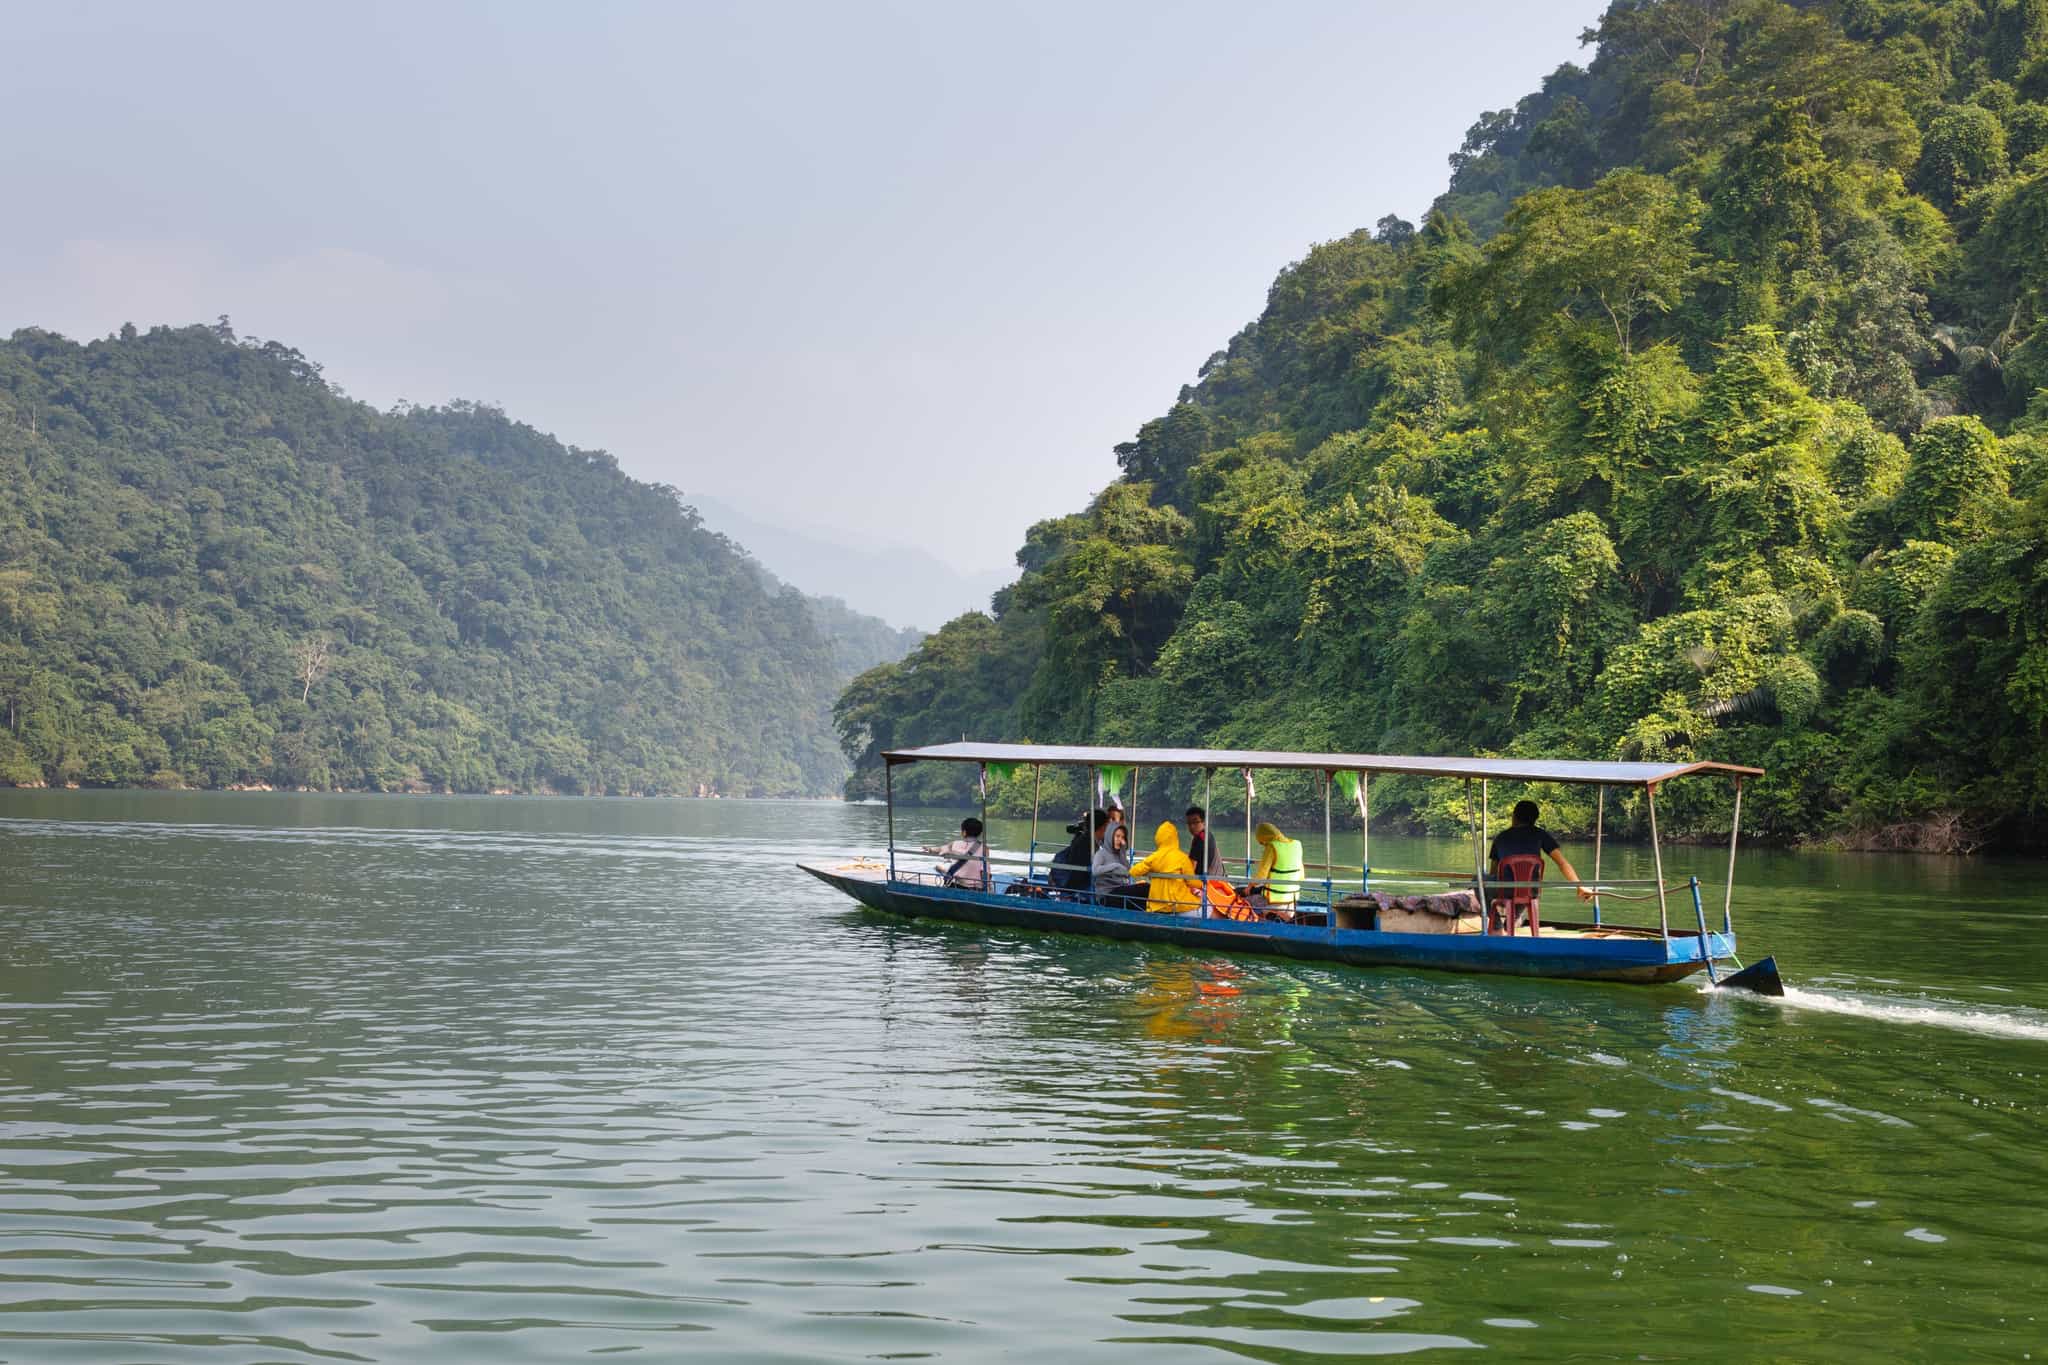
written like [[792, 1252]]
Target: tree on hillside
[[1614, 258], [1111, 598], [310, 660]]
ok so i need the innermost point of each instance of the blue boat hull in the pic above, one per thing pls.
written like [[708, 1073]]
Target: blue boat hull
[[1643, 958]]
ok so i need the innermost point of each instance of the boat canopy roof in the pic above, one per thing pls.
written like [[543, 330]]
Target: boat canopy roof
[[1579, 771]]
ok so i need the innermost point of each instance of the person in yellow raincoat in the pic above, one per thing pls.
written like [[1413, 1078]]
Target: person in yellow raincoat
[[1171, 874]]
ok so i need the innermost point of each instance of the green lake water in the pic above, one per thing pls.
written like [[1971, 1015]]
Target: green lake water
[[295, 1078]]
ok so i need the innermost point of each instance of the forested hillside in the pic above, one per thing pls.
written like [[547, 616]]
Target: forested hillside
[[216, 571], [1704, 416]]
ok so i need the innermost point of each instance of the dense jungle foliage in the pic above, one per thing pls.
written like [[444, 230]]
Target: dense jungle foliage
[[216, 571], [1706, 415]]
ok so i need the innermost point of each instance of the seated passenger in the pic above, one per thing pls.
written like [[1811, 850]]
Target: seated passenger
[[968, 855], [1070, 865], [1524, 836], [1171, 873], [1276, 882], [1110, 873], [1528, 843], [1202, 850]]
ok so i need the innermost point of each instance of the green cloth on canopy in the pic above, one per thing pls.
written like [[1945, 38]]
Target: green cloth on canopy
[[1113, 779], [1348, 782], [1002, 772]]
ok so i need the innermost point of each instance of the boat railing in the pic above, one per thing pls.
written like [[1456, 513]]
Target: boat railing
[[1617, 902], [1110, 766], [1036, 844]]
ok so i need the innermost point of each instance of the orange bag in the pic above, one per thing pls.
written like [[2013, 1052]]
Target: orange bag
[[1225, 903]]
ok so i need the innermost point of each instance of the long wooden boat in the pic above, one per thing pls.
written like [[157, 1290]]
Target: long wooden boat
[[1334, 921]]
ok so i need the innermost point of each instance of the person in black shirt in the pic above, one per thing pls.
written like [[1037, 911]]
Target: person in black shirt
[[1070, 865], [1202, 850], [1524, 836]]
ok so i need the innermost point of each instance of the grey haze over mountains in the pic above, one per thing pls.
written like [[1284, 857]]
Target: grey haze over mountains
[[917, 255], [902, 584]]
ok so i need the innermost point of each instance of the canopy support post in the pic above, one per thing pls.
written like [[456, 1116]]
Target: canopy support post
[[1031, 867], [1209, 805], [889, 795], [1599, 835], [1478, 862], [1364, 830], [1657, 861], [1728, 893], [1486, 824], [986, 884], [1208, 834], [1329, 859], [1247, 824], [1134, 805], [1699, 912]]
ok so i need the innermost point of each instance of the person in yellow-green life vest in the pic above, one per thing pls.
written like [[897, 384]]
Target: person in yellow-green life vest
[[1276, 882]]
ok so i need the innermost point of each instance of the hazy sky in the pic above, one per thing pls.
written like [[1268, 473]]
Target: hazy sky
[[914, 267]]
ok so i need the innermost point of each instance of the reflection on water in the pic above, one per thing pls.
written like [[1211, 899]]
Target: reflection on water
[[399, 1080]]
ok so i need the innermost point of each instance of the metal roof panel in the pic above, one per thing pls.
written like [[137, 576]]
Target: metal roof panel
[[1581, 771]]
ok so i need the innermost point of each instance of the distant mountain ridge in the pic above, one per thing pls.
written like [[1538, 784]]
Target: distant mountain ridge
[[859, 641], [899, 583], [216, 571]]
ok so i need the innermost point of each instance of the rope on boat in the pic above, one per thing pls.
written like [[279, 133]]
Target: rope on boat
[[1667, 888]]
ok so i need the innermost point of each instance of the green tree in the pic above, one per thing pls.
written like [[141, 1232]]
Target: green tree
[[1964, 150], [1760, 468], [1956, 483], [1612, 258], [1111, 598]]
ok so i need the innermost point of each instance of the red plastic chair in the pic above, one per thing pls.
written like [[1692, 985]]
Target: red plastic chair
[[1515, 901]]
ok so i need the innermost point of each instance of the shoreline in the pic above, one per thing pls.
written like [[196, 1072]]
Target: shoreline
[[1890, 839], [262, 789]]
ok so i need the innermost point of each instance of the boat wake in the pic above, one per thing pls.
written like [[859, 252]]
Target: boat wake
[[1993, 1023]]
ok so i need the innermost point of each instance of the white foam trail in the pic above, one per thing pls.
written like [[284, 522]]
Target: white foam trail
[[1989, 1022]]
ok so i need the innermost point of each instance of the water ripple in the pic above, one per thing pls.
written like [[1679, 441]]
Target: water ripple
[[307, 1079]]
